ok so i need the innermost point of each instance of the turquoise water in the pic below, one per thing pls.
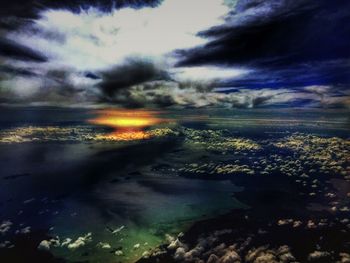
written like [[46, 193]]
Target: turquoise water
[[145, 214]]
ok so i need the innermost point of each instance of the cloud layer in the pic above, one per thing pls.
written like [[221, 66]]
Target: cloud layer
[[171, 53]]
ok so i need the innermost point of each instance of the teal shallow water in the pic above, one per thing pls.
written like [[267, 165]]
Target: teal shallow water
[[148, 204], [145, 214]]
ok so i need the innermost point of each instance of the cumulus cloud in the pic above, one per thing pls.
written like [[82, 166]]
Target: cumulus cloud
[[131, 73], [204, 94], [5, 226], [266, 255], [44, 245], [53, 86], [25, 230], [80, 242], [344, 258], [333, 97], [316, 255], [209, 249]]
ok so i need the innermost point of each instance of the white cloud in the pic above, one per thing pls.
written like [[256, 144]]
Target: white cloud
[[201, 94], [94, 40], [21, 86], [80, 241], [314, 256], [207, 73], [44, 245], [5, 226]]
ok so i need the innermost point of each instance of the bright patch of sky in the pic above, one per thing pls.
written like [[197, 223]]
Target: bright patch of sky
[[96, 40]]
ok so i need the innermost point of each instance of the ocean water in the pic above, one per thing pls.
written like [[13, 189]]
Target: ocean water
[[63, 189]]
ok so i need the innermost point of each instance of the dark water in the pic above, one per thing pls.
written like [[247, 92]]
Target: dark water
[[71, 188]]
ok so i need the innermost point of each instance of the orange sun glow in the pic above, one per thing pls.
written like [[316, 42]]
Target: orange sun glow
[[128, 124]]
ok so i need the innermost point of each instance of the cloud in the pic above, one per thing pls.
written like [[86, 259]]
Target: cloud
[[316, 255], [93, 39], [207, 73], [289, 42], [294, 76], [265, 255], [208, 249], [132, 72], [54, 87], [9, 70], [20, 86], [121, 48], [80, 242], [331, 97], [28, 9], [5, 226], [129, 80], [244, 53], [160, 94], [15, 50], [276, 33], [44, 245]]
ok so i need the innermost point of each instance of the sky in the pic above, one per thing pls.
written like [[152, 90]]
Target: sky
[[176, 53]]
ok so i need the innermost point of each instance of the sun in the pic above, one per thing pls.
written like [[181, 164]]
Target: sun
[[127, 124]]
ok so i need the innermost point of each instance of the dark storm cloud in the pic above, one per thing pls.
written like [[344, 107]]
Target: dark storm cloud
[[281, 37], [296, 32], [282, 48], [27, 9], [11, 49], [260, 100], [16, 71], [316, 73], [131, 73]]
